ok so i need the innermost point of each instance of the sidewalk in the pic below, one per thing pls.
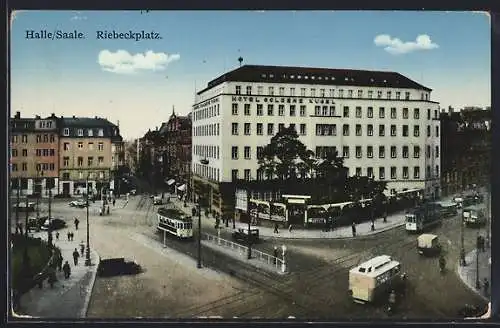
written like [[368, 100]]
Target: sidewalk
[[468, 273], [362, 229], [69, 298]]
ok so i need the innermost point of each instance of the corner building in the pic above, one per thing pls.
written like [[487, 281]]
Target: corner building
[[384, 124]]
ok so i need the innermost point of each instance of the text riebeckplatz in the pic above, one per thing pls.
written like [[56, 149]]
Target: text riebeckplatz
[[130, 35]]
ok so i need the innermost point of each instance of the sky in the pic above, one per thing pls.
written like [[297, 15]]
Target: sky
[[137, 83]]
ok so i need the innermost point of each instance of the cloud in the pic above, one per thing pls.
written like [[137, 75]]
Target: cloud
[[122, 62], [78, 16], [13, 16], [395, 46]]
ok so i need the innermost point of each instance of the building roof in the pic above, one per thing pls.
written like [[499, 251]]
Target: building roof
[[84, 122], [310, 75]]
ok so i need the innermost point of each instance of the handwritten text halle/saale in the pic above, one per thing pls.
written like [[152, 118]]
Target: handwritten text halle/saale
[[54, 35]]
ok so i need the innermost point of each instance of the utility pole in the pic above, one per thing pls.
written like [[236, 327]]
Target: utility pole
[[87, 253], [462, 249], [17, 205], [49, 230], [478, 285], [26, 217], [199, 233], [38, 197], [488, 213], [249, 241]]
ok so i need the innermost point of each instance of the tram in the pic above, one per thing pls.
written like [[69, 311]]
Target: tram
[[174, 222], [423, 217], [372, 280], [474, 215]]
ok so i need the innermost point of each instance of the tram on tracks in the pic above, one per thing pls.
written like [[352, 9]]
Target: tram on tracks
[[423, 217], [175, 223], [372, 280]]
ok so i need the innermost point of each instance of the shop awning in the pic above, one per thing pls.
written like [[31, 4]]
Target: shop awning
[[182, 187], [170, 182]]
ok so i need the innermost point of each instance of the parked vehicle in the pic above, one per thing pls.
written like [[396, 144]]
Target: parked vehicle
[[54, 224], [448, 209], [244, 236], [133, 192], [428, 245], [157, 200], [118, 266], [474, 215], [78, 203]]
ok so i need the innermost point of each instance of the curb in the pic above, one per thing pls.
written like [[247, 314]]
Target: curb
[[464, 281], [83, 312], [336, 238]]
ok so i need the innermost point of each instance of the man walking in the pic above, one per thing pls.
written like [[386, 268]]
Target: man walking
[[353, 228], [67, 270], [69, 235], [75, 256], [57, 235], [76, 223], [82, 248], [276, 228], [59, 262]]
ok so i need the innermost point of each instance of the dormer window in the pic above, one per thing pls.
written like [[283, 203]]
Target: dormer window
[[292, 76], [371, 80], [101, 133], [313, 77], [320, 78], [299, 76], [385, 81], [90, 133], [263, 76], [271, 76], [346, 79], [333, 78], [326, 78], [80, 132], [306, 77], [66, 132]]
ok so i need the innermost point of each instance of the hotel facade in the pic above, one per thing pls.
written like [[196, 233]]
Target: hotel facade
[[384, 125]]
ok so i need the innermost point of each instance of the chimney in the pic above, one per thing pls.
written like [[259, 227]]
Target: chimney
[[18, 115], [74, 116], [37, 117], [53, 115], [96, 117]]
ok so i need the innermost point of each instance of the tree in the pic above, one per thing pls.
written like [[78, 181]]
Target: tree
[[283, 156]]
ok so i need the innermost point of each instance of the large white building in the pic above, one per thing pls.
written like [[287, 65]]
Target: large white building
[[384, 124]]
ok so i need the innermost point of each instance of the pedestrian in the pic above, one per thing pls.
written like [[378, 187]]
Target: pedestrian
[[373, 225], [108, 210], [353, 228], [478, 242], [275, 254], [52, 277], [67, 270], [59, 262], [82, 248], [193, 211], [482, 244], [76, 223], [57, 235], [69, 235], [75, 256], [486, 287], [276, 228], [114, 201], [290, 228], [385, 216]]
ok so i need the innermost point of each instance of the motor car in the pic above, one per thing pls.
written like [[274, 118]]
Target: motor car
[[118, 266], [133, 192], [241, 235], [54, 224], [78, 203], [157, 200]]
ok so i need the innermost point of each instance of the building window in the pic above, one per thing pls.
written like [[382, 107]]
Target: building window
[[90, 132], [360, 93], [38, 138], [260, 151], [90, 161], [281, 127], [317, 110], [428, 151], [66, 132], [238, 89], [393, 152], [100, 133], [249, 90], [349, 94], [292, 110], [393, 113], [428, 114], [260, 90], [389, 95], [271, 91], [234, 109], [405, 113], [100, 160], [302, 110], [416, 151], [247, 129], [234, 129], [346, 111], [324, 111], [405, 151], [379, 94], [358, 152], [270, 109], [437, 151], [25, 152], [416, 172], [381, 112], [405, 172], [370, 94], [259, 129], [246, 109], [428, 171], [302, 92], [332, 93], [435, 114], [341, 93], [416, 113], [345, 130], [234, 175], [393, 130], [381, 152], [246, 152], [416, 130], [281, 110], [246, 173], [358, 112], [80, 161], [369, 151], [302, 129], [270, 129], [369, 112], [405, 130], [100, 146], [24, 167], [234, 152], [358, 171], [369, 172], [437, 131], [14, 152], [393, 173], [14, 167], [259, 110], [437, 171], [345, 151], [292, 92], [358, 130], [65, 161], [91, 146], [369, 130], [381, 130]]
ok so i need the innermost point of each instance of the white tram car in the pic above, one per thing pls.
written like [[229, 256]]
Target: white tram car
[[175, 222], [423, 218], [373, 279]]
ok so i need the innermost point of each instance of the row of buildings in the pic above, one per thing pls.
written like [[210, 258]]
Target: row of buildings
[[383, 124], [63, 154]]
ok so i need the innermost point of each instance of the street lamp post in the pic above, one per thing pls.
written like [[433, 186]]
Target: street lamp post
[[87, 253], [198, 264], [17, 203], [249, 239], [49, 230], [38, 182], [488, 214], [462, 248], [283, 264], [478, 285]]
